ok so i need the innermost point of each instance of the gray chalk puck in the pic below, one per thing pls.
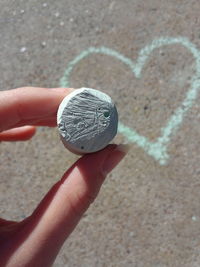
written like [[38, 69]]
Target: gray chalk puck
[[87, 120]]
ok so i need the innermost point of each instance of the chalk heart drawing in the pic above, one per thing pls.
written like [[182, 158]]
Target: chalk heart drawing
[[157, 149]]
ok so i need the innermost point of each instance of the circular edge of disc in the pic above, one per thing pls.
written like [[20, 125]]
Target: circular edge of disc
[[62, 106]]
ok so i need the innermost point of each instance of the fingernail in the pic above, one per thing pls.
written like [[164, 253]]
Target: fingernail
[[114, 157]]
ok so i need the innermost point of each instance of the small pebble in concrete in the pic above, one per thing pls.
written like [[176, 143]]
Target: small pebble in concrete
[[57, 14], [194, 218], [23, 49], [43, 44]]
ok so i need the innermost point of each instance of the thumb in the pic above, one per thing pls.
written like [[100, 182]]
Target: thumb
[[63, 206]]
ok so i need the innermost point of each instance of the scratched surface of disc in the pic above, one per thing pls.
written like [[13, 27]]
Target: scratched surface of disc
[[87, 120]]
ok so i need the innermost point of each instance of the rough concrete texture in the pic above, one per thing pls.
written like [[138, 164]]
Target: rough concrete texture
[[146, 215]]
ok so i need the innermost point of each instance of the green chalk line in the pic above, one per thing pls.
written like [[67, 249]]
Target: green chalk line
[[157, 149]]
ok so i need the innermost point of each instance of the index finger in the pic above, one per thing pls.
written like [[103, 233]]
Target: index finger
[[26, 105]]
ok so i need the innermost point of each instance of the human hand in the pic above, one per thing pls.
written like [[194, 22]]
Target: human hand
[[36, 240]]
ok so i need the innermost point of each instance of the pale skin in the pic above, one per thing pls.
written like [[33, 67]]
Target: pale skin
[[36, 240]]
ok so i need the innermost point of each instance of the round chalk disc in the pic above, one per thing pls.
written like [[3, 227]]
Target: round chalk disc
[[87, 120]]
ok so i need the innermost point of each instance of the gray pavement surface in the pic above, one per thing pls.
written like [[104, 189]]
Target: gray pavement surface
[[147, 214]]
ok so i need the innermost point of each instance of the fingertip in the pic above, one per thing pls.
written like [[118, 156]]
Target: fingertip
[[104, 160], [18, 134], [29, 132], [114, 158], [92, 163], [25, 105]]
